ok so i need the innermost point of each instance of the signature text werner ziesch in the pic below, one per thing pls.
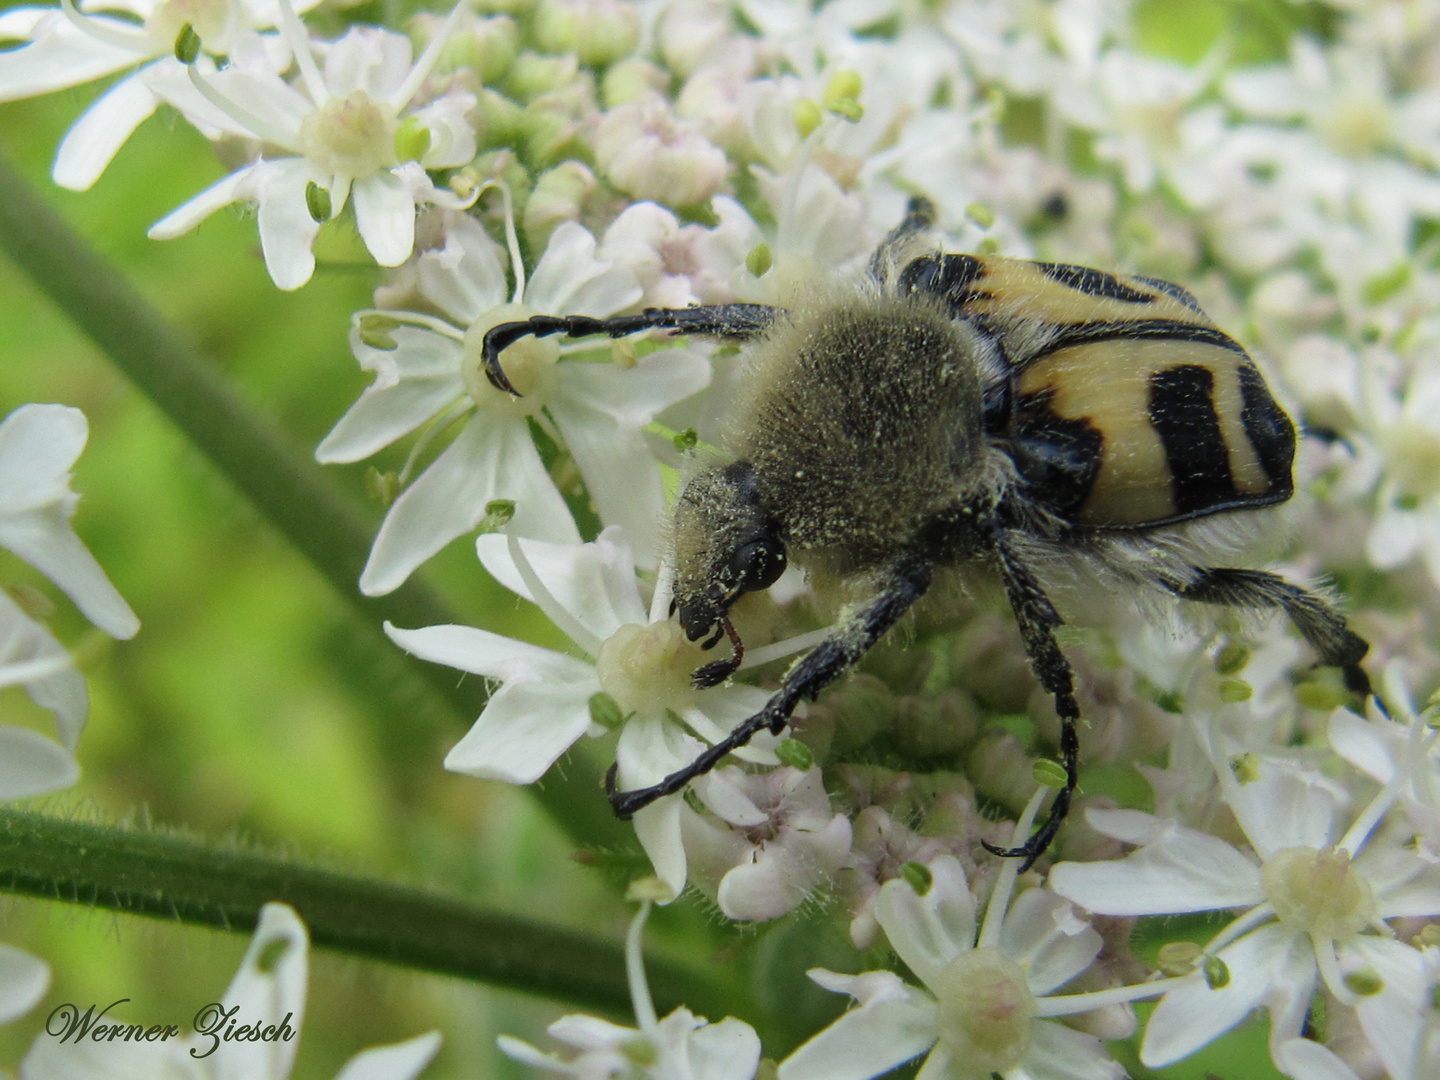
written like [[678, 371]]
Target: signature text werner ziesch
[[214, 1021]]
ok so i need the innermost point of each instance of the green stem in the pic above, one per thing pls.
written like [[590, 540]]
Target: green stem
[[164, 877], [280, 479]]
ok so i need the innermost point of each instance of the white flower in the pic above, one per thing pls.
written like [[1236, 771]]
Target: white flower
[[38, 445], [988, 990], [433, 376], [1399, 751], [353, 129], [1314, 904], [1405, 428], [268, 992], [65, 47], [547, 700], [682, 1046], [772, 841]]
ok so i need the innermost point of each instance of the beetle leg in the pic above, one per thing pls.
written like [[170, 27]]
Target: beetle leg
[[1319, 623], [1038, 618], [735, 322], [817, 669]]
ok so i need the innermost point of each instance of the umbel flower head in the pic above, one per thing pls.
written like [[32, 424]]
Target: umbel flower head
[[352, 130]]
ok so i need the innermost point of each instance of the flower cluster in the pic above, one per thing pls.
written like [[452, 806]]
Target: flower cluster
[[599, 157], [38, 446]]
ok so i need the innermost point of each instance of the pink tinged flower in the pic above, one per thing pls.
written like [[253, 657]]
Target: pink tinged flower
[[682, 1046], [428, 372], [38, 446], [647, 151], [353, 128], [546, 700], [988, 990], [269, 990], [772, 841], [65, 47]]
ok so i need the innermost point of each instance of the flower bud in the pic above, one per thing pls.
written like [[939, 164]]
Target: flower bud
[[598, 32]]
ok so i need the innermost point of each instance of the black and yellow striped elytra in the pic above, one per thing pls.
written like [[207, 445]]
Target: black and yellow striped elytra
[[963, 415], [1122, 404]]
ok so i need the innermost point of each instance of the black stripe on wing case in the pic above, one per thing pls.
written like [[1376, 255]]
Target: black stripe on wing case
[[1270, 431], [1182, 412], [1093, 282]]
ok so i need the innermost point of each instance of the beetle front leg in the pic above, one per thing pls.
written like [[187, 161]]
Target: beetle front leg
[[817, 669]]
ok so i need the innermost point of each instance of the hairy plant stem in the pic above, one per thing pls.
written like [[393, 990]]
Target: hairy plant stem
[[175, 879]]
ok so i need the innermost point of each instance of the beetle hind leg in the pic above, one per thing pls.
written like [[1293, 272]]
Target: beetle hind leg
[[1038, 618], [1324, 628]]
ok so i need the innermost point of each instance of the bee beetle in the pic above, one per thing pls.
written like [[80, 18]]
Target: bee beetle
[[979, 415]]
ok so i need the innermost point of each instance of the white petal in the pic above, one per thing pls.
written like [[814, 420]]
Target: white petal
[[385, 216], [729, 1050], [269, 988], [929, 931], [523, 730], [23, 982], [31, 764], [47, 544], [466, 277], [1303, 1059], [1288, 806], [1368, 745], [1268, 960], [422, 380], [1179, 869], [398, 1061], [784, 873], [604, 436], [866, 1041], [192, 212], [93, 141], [490, 459], [569, 278], [64, 56], [1061, 1053], [594, 582], [650, 748], [38, 446], [1397, 1021], [480, 652], [1042, 934], [1405, 882], [287, 231]]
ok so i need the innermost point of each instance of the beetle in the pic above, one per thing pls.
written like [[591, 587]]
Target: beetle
[[974, 415]]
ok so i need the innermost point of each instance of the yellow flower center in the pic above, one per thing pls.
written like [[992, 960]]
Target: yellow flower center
[[986, 1012], [647, 668], [352, 136], [1316, 892], [529, 364]]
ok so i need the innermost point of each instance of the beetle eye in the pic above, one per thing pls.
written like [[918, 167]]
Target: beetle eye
[[758, 564]]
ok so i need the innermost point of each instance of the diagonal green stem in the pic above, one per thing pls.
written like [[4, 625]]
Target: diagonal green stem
[[164, 877], [280, 479]]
